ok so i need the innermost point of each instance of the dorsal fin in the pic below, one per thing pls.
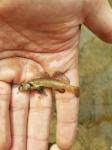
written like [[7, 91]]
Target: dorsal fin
[[61, 77]]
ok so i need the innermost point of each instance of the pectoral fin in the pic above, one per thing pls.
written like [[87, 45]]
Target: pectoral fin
[[41, 90]]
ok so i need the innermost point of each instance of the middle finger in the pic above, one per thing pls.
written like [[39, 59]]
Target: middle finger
[[39, 120]]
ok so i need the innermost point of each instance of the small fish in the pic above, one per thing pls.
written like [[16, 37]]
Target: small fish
[[57, 82]]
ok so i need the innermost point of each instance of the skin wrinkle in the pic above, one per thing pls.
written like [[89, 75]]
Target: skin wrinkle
[[29, 137], [14, 36], [20, 56], [15, 108], [38, 109], [19, 32], [65, 99], [67, 122], [58, 37]]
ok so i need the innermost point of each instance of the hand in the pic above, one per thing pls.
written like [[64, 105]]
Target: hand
[[25, 51], [30, 112]]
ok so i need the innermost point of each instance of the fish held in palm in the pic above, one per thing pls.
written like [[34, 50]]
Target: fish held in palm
[[57, 82]]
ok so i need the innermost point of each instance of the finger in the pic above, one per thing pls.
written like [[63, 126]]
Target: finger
[[39, 120], [5, 95], [67, 113], [19, 116]]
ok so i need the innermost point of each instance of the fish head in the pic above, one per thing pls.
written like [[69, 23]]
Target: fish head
[[25, 87]]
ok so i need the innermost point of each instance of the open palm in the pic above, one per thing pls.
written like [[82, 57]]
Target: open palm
[[31, 43]]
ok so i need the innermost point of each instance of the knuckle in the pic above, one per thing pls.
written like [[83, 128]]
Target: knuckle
[[4, 88], [66, 96]]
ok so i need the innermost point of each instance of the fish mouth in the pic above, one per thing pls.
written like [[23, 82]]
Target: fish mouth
[[25, 87]]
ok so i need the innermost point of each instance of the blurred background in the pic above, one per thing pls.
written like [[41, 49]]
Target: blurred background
[[94, 130]]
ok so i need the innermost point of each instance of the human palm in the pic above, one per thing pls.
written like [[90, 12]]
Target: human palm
[[31, 43]]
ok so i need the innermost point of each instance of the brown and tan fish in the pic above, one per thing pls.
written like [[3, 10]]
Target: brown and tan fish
[[57, 82]]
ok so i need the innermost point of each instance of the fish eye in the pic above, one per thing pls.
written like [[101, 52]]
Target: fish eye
[[21, 87], [27, 86]]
